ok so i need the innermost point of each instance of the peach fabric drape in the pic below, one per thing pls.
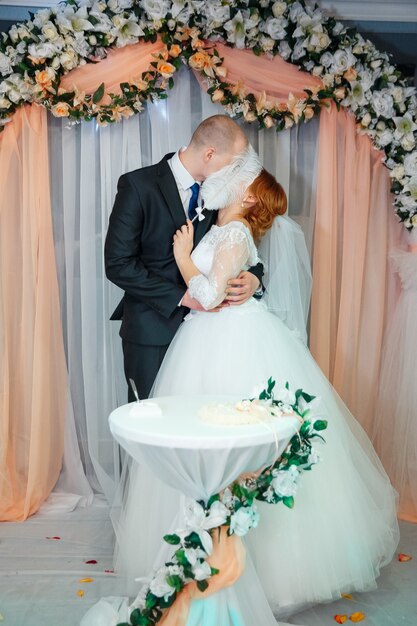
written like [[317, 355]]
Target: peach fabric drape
[[353, 231], [258, 74], [32, 363], [119, 66], [228, 557]]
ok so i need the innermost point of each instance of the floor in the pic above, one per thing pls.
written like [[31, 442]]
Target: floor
[[43, 561]]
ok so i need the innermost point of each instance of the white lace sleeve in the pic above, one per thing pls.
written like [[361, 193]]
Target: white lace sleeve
[[231, 253]]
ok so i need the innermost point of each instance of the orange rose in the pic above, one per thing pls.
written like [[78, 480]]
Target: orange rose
[[250, 116], [175, 51], [44, 77], [340, 93], [165, 69], [269, 121], [60, 109], [36, 60], [217, 95], [350, 74], [197, 44], [198, 60], [142, 85], [308, 113]]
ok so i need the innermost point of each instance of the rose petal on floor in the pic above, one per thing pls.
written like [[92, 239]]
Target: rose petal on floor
[[80, 593], [56, 538], [91, 562], [357, 617], [347, 596], [404, 557], [86, 580], [340, 619]]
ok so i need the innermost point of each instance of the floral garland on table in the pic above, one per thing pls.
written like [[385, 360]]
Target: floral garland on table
[[34, 56], [234, 507]]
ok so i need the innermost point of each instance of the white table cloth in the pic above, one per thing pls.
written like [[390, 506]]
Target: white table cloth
[[200, 459]]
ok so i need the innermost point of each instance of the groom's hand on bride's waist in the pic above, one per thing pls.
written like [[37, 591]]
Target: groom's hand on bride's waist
[[194, 305], [242, 288]]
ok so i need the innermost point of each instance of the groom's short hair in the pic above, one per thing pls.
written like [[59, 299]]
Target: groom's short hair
[[220, 132]]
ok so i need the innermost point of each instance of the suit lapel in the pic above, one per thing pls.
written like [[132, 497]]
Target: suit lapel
[[201, 228], [168, 186]]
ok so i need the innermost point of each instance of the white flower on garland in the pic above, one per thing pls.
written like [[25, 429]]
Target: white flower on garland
[[243, 520], [156, 9], [410, 164], [236, 31], [275, 28], [159, 586], [197, 521], [285, 482]]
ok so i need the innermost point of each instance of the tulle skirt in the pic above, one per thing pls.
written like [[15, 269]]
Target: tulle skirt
[[343, 527]]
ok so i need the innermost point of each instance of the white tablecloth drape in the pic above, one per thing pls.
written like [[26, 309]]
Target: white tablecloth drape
[[200, 459]]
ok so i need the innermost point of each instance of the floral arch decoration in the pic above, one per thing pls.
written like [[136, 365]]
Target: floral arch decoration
[[36, 54]]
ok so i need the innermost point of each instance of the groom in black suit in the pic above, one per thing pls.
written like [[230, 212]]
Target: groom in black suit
[[150, 205]]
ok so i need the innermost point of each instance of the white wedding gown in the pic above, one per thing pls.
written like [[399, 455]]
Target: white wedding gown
[[343, 527]]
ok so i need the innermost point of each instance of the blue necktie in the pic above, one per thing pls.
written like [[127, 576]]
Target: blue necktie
[[195, 189]]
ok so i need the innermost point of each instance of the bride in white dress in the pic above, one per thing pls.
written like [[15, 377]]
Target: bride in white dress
[[343, 527]]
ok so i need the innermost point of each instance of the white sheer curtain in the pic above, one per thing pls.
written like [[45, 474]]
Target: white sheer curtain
[[86, 162]]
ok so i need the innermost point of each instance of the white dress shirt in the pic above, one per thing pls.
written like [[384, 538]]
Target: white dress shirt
[[183, 179]]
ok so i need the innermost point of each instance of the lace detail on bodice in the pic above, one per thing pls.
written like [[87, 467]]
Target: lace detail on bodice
[[405, 264], [221, 255]]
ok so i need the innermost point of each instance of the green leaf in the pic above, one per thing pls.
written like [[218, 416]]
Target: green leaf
[[320, 425], [288, 501], [98, 94], [202, 585], [214, 571], [175, 582], [151, 600], [173, 540]]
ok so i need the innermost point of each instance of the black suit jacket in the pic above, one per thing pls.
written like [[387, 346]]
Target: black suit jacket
[[139, 256]]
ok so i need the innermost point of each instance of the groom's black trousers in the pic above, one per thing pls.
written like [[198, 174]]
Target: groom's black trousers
[[142, 364]]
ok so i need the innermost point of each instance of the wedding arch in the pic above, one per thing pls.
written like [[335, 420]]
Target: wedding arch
[[273, 63]]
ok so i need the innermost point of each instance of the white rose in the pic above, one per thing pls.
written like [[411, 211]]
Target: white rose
[[326, 59], [49, 31], [338, 28], [296, 10], [285, 395], [284, 482], [279, 8], [383, 103], [201, 570], [5, 64], [159, 586], [398, 94], [397, 172], [243, 520], [41, 17], [43, 49], [218, 13], [408, 142], [318, 41], [384, 138], [156, 9], [284, 50], [317, 70], [381, 125], [5, 103], [55, 63], [342, 60], [68, 60], [410, 164], [275, 28], [366, 120]]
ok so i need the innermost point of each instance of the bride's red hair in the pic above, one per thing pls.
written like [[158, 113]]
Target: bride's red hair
[[271, 201]]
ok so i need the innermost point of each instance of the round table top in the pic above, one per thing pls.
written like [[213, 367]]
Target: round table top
[[179, 425]]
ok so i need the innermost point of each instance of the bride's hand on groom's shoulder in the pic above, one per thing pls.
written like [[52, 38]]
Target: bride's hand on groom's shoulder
[[242, 288], [184, 241]]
